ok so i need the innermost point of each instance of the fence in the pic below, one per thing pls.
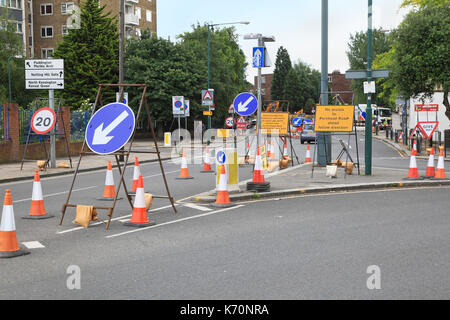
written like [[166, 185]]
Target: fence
[[4, 123], [78, 123], [421, 143]]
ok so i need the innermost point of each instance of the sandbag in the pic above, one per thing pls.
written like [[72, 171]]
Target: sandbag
[[41, 164], [84, 215], [148, 200], [63, 165]]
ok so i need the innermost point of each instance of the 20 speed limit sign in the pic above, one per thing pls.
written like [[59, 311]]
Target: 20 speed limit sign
[[43, 120], [229, 122]]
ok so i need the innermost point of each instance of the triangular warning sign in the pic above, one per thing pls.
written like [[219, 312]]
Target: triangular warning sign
[[207, 96], [428, 127]]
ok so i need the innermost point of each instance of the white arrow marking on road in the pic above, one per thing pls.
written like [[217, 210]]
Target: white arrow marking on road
[[101, 136], [242, 107]]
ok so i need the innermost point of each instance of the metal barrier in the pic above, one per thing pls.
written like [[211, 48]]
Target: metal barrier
[[78, 123], [4, 123], [25, 127]]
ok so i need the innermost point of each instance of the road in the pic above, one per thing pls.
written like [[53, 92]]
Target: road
[[308, 247]]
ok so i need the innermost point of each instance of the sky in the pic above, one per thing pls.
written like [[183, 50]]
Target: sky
[[295, 24]]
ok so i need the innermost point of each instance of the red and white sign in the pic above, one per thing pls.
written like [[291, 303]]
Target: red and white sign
[[428, 127], [426, 107], [43, 120], [241, 123], [229, 122]]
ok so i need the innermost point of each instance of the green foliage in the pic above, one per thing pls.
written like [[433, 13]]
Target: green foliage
[[282, 67], [227, 65], [90, 56], [357, 57], [168, 69], [387, 88], [424, 3], [422, 52], [309, 92]]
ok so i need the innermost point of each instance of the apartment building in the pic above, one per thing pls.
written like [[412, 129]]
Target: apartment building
[[43, 23]]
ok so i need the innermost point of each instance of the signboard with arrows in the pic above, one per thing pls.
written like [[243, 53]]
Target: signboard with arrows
[[245, 104], [44, 74]]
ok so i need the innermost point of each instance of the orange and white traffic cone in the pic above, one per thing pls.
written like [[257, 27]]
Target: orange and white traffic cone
[[136, 174], [37, 210], [308, 154], [9, 246], [413, 173], [206, 162], [430, 172], [258, 183], [440, 169], [269, 148], [139, 216], [285, 150], [223, 197], [109, 192], [184, 172], [272, 150]]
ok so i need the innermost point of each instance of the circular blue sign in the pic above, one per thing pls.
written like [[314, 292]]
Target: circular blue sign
[[178, 104], [221, 157], [245, 104], [297, 121], [110, 128], [308, 121]]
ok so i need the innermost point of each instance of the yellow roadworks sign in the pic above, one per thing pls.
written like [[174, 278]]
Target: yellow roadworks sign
[[223, 133], [274, 121], [334, 118], [207, 113]]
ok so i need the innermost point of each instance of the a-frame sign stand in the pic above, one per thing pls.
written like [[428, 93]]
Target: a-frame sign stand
[[122, 152]]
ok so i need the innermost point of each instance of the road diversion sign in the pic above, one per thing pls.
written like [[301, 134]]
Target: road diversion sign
[[274, 121], [334, 118], [221, 157], [229, 122], [245, 104], [241, 123], [297, 121], [110, 128], [43, 121], [258, 57], [427, 127], [44, 74]]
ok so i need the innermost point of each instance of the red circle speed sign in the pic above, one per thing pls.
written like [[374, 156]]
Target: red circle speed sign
[[229, 122], [43, 120]]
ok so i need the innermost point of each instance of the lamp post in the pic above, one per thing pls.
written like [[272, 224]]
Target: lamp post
[[261, 40], [212, 25], [368, 140], [9, 75]]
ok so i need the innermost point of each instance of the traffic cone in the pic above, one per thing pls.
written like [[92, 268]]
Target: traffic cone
[[440, 170], [430, 172], [207, 163], [109, 192], [285, 150], [136, 174], [139, 216], [222, 198], [9, 246], [268, 148], [413, 172], [308, 154], [37, 210], [272, 150], [184, 172]]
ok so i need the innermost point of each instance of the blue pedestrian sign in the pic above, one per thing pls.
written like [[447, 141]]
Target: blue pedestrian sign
[[110, 128], [221, 157], [245, 104], [258, 57], [297, 121]]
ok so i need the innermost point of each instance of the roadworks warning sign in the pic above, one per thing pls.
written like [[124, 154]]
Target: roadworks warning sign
[[334, 118]]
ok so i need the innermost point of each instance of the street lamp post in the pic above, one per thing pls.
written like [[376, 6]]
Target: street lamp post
[[9, 75], [368, 140], [212, 25]]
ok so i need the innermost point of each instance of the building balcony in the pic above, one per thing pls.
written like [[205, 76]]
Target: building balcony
[[131, 19]]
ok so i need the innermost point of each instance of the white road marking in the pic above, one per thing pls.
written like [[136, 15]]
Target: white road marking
[[57, 193], [194, 206], [33, 245], [174, 221], [114, 219], [160, 174]]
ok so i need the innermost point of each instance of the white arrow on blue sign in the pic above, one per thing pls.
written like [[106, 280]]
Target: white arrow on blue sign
[[258, 57], [245, 104], [221, 157], [110, 128], [297, 121]]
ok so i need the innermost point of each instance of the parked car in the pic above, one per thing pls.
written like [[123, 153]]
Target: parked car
[[308, 134]]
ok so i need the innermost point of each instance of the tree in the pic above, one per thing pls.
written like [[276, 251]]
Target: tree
[[227, 65], [292, 89], [423, 3], [309, 86], [282, 67], [422, 53], [168, 69], [90, 56], [357, 57]]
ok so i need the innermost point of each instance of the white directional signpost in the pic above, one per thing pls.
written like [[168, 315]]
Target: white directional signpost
[[46, 74]]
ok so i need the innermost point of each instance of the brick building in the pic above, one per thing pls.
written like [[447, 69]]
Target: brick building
[[341, 86], [42, 23], [266, 83]]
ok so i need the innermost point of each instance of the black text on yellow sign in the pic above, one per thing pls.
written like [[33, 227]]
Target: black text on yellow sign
[[274, 122], [334, 118]]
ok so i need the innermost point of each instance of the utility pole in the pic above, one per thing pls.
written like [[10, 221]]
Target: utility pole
[[121, 54], [368, 139]]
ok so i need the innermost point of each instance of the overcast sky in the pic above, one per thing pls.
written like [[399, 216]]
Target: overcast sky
[[295, 24]]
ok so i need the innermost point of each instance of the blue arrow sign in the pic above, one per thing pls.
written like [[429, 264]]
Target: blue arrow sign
[[258, 57], [245, 104], [297, 121], [110, 128], [221, 157]]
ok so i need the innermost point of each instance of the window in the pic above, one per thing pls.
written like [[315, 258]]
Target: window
[[263, 80], [46, 53], [46, 32], [66, 8], [19, 27], [14, 4], [148, 14], [138, 32], [64, 30], [138, 12], [46, 9], [330, 79]]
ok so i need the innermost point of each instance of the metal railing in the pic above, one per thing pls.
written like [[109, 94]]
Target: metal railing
[[4, 123], [78, 123]]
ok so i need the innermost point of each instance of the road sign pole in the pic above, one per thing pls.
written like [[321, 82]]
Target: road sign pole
[[368, 140], [258, 123], [51, 105]]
